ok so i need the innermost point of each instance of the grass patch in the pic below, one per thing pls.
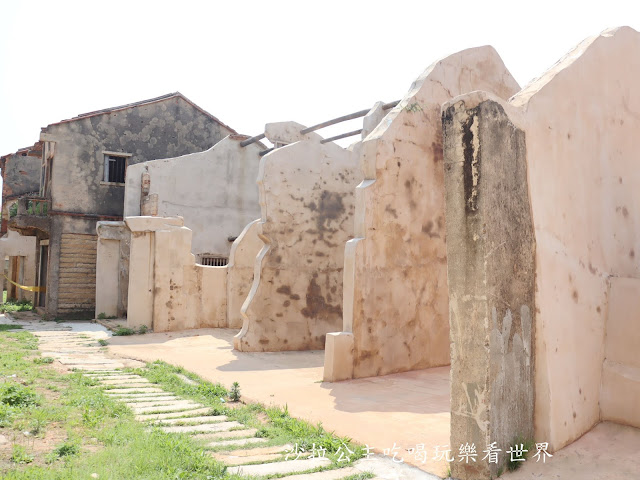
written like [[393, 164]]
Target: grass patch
[[4, 327], [522, 448], [272, 423], [103, 342], [63, 429], [12, 305], [125, 331], [42, 360]]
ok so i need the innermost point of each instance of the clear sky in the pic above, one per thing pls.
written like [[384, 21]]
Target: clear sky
[[253, 62]]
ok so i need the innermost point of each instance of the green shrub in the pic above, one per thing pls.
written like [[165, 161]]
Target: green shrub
[[16, 395], [123, 331], [20, 455]]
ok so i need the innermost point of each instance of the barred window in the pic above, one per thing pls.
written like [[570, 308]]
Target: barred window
[[213, 260]]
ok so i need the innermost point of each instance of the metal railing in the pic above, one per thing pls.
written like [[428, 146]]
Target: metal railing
[[328, 123]]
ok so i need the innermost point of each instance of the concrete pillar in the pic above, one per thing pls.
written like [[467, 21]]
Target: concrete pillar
[[142, 267], [490, 252]]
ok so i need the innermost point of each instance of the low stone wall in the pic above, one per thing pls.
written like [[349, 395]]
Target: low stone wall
[[168, 291]]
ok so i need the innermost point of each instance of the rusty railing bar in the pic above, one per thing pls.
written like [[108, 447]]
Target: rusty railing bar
[[264, 152], [328, 123], [344, 135], [251, 140], [344, 118]]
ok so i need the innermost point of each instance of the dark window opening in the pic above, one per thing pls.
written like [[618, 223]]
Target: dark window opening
[[115, 168]]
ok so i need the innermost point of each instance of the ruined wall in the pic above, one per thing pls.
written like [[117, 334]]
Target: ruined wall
[[395, 305], [242, 260], [490, 253], [20, 174], [582, 148], [214, 191], [580, 122], [112, 268], [306, 196], [167, 290]]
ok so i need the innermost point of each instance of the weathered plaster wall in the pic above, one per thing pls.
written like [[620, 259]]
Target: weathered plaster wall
[[580, 121], [620, 391], [490, 253], [167, 290], [15, 245], [395, 282], [242, 260], [306, 196], [582, 149], [112, 268], [20, 174], [214, 191]]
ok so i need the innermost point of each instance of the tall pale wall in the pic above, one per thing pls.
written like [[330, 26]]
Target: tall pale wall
[[306, 196], [580, 122], [214, 191], [242, 259], [582, 150], [395, 283]]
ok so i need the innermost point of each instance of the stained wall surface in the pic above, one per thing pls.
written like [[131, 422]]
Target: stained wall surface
[[490, 266], [580, 121], [307, 202], [584, 183], [395, 282], [214, 191]]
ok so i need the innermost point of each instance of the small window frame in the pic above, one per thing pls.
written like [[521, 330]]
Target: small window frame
[[107, 157]]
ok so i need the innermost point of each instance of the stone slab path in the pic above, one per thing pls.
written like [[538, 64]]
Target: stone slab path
[[78, 348]]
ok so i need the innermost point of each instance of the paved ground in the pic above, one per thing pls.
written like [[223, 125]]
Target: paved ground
[[401, 410], [406, 409]]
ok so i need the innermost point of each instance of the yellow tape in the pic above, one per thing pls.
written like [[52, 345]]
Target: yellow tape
[[28, 289]]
